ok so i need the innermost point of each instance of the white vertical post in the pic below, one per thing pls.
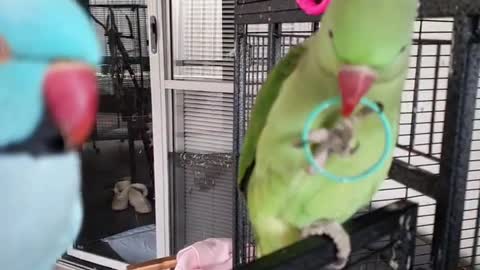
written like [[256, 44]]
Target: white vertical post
[[160, 130]]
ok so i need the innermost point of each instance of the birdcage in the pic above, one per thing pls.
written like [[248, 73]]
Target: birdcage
[[435, 178], [124, 76]]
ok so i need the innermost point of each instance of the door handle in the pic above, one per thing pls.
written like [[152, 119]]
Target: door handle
[[153, 34]]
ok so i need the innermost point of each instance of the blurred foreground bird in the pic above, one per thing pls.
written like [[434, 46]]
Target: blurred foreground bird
[[48, 101]]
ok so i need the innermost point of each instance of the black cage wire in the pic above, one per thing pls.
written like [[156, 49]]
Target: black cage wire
[[124, 76], [435, 178]]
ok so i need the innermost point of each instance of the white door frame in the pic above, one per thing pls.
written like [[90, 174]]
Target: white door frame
[[97, 259], [160, 128], [160, 140], [161, 82], [163, 87]]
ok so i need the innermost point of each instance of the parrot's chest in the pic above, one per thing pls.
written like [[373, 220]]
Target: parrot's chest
[[47, 196], [282, 165], [305, 198]]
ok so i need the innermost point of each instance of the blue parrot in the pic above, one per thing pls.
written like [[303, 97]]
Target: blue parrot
[[48, 101]]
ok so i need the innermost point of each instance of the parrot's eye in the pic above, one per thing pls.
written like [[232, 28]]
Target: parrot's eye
[[403, 49], [4, 51], [56, 144]]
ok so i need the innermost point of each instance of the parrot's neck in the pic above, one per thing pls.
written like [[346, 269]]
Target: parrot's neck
[[314, 68], [387, 92], [314, 71]]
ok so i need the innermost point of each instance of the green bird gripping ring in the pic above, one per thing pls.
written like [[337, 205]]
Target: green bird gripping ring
[[374, 168]]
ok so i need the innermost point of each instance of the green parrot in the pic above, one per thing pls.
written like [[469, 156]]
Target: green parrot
[[361, 50]]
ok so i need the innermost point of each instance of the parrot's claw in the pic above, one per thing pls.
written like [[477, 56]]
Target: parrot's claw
[[339, 236], [337, 140], [354, 149]]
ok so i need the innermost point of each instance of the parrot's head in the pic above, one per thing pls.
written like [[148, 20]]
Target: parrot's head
[[48, 54], [364, 42], [48, 101]]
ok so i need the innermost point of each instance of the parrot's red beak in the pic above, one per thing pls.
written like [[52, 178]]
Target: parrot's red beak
[[71, 96], [354, 83]]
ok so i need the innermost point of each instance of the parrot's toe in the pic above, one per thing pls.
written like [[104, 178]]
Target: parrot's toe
[[338, 235], [332, 141], [318, 136], [315, 137], [320, 157]]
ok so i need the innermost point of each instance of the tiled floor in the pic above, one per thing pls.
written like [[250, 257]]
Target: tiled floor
[[100, 173]]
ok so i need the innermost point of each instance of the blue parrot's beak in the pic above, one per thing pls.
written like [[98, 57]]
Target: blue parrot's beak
[[354, 83], [71, 96], [4, 51]]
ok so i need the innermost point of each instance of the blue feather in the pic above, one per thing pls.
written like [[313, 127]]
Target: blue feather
[[38, 32], [21, 100], [40, 199], [41, 209], [48, 30]]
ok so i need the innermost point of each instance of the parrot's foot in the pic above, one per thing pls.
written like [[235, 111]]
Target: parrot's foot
[[339, 236], [338, 140], [319, 136]]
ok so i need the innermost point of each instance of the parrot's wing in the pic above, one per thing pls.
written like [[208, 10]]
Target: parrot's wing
[[266, 98]]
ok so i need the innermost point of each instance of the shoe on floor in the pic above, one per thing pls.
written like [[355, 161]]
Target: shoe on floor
[[120, 197], [137, 196]]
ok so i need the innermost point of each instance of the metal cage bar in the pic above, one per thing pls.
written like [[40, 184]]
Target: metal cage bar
[[283, 11], [457, 138], [238, 206], [395, 221]]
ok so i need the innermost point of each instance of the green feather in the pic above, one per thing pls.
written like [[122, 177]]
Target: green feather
[[267, 95]]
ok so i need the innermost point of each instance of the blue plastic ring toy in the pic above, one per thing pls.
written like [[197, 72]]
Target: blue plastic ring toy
[[347, 179]]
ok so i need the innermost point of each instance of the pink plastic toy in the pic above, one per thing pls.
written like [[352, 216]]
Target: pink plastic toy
[[209, 254], [312, 8]]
